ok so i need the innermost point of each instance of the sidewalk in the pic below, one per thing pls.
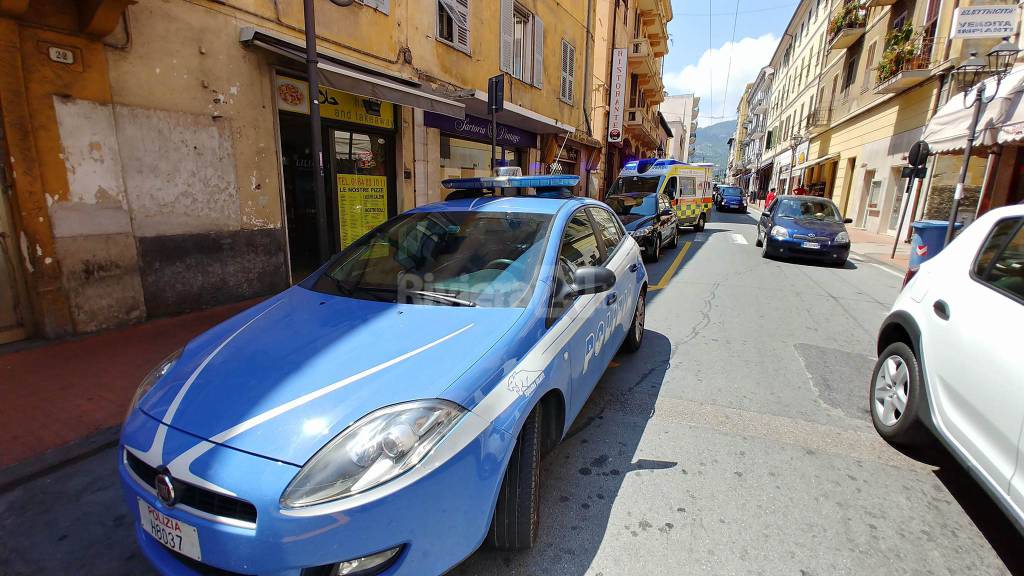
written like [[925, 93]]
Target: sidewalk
[[878, 247], [67, 398]]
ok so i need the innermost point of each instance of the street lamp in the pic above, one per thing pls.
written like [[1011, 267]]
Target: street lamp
[[316, 142], [971, 76], [793, 143]]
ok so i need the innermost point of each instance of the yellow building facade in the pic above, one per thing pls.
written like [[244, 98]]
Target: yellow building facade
[[886, 72], [159, 151]]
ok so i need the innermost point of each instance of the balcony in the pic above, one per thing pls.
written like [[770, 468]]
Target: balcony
[[847, 26], [818, 120], [653, 87], [641, 58], [877, 3], [640, 126], [654, 15], [906, 61], [760, 107]]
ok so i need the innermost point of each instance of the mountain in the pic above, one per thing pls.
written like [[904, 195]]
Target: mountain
[[713, 145]]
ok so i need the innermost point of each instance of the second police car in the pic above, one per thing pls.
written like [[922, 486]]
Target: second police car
[[388, 414]]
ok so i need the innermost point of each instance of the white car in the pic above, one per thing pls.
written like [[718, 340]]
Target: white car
[[951, 357]]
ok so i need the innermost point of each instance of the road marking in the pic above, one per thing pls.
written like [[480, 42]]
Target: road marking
[[887, 269], [738, 239], [667, 276], [699, 237]]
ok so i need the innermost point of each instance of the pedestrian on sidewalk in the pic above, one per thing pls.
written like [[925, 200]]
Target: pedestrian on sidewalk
[[770, 198]]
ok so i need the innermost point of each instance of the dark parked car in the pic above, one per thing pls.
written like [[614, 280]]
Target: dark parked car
[[731, 198], [804, 226], [649, 219]]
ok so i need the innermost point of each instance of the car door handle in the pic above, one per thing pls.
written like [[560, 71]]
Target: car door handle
[[611, 298], [634, 267], [941, 309]]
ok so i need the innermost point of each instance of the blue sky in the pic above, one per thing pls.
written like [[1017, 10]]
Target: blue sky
[[695, 65]]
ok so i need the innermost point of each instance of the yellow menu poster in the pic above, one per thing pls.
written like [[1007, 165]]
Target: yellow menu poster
[[362, 205]]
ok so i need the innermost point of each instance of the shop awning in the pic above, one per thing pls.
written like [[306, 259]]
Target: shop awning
[[816, 161], [358, 79], [1001, 121], [514, 115]]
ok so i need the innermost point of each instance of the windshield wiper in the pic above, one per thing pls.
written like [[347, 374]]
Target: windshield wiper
[[443, 297]]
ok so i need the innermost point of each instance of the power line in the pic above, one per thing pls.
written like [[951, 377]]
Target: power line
[[732, 48], [711, 69]]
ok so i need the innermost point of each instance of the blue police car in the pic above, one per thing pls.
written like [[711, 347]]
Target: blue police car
[[388, 414]]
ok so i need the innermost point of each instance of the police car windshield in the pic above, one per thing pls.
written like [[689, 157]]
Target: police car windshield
[[452, 258]]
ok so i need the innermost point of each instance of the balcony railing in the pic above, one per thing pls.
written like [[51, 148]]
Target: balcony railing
[[641, 58], [847, 25], [906, 62], [819, 118], [638, 120]]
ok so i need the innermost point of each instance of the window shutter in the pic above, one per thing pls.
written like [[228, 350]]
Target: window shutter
[[507, 34], [380, 5], [459, 11], [538, 52], [568, 72], [462, 25]]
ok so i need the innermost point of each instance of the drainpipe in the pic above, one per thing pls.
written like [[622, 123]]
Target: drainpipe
[[589, 78]]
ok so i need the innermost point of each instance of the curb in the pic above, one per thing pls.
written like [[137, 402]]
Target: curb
[[50, 461]]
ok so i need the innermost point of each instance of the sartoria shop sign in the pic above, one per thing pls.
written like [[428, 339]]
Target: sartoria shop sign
[[476, 128]]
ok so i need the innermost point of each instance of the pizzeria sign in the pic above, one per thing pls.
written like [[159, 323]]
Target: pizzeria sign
[[293, 96]]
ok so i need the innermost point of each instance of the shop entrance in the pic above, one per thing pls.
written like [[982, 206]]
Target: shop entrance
[[12, 326], [359, 170]]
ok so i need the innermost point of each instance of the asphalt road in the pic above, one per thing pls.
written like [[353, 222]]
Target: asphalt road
[[737, 441]]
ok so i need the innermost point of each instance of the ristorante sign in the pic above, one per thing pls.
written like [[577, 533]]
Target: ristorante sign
[[618, 99], [476, 128]]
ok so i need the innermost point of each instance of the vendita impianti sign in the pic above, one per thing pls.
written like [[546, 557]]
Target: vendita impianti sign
[[985, 21]]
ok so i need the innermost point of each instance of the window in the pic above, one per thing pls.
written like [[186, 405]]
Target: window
[[579, 243], [1000, 264], [453, 23], [671, 187], [868, 72], [607, 229], [522, 44], [520, 40], [579, 248], [874, 194], [850, 73], [567, 85]]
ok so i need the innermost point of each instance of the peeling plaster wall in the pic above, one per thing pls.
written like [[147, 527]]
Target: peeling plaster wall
[[179, 171], [91, 226]]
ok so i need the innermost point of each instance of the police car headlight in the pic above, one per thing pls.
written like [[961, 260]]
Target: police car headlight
[[779, 232], [377, 448], [151, 379], [642, 232]]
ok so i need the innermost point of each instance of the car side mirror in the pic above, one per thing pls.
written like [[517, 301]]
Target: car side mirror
[[666, 212], [847, 220], [593, 280]]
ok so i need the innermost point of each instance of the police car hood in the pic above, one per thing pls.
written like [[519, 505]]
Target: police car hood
[[280, 380]]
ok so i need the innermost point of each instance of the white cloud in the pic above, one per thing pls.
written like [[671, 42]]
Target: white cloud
[[749, 55]]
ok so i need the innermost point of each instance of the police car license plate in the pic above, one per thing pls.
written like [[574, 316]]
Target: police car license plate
[[174, 534], [811, 245]]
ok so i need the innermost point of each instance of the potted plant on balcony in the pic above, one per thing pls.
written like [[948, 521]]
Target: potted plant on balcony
[[903, 51], [851, 15]]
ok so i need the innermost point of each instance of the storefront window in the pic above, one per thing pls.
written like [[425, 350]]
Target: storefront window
[[469, 159]]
